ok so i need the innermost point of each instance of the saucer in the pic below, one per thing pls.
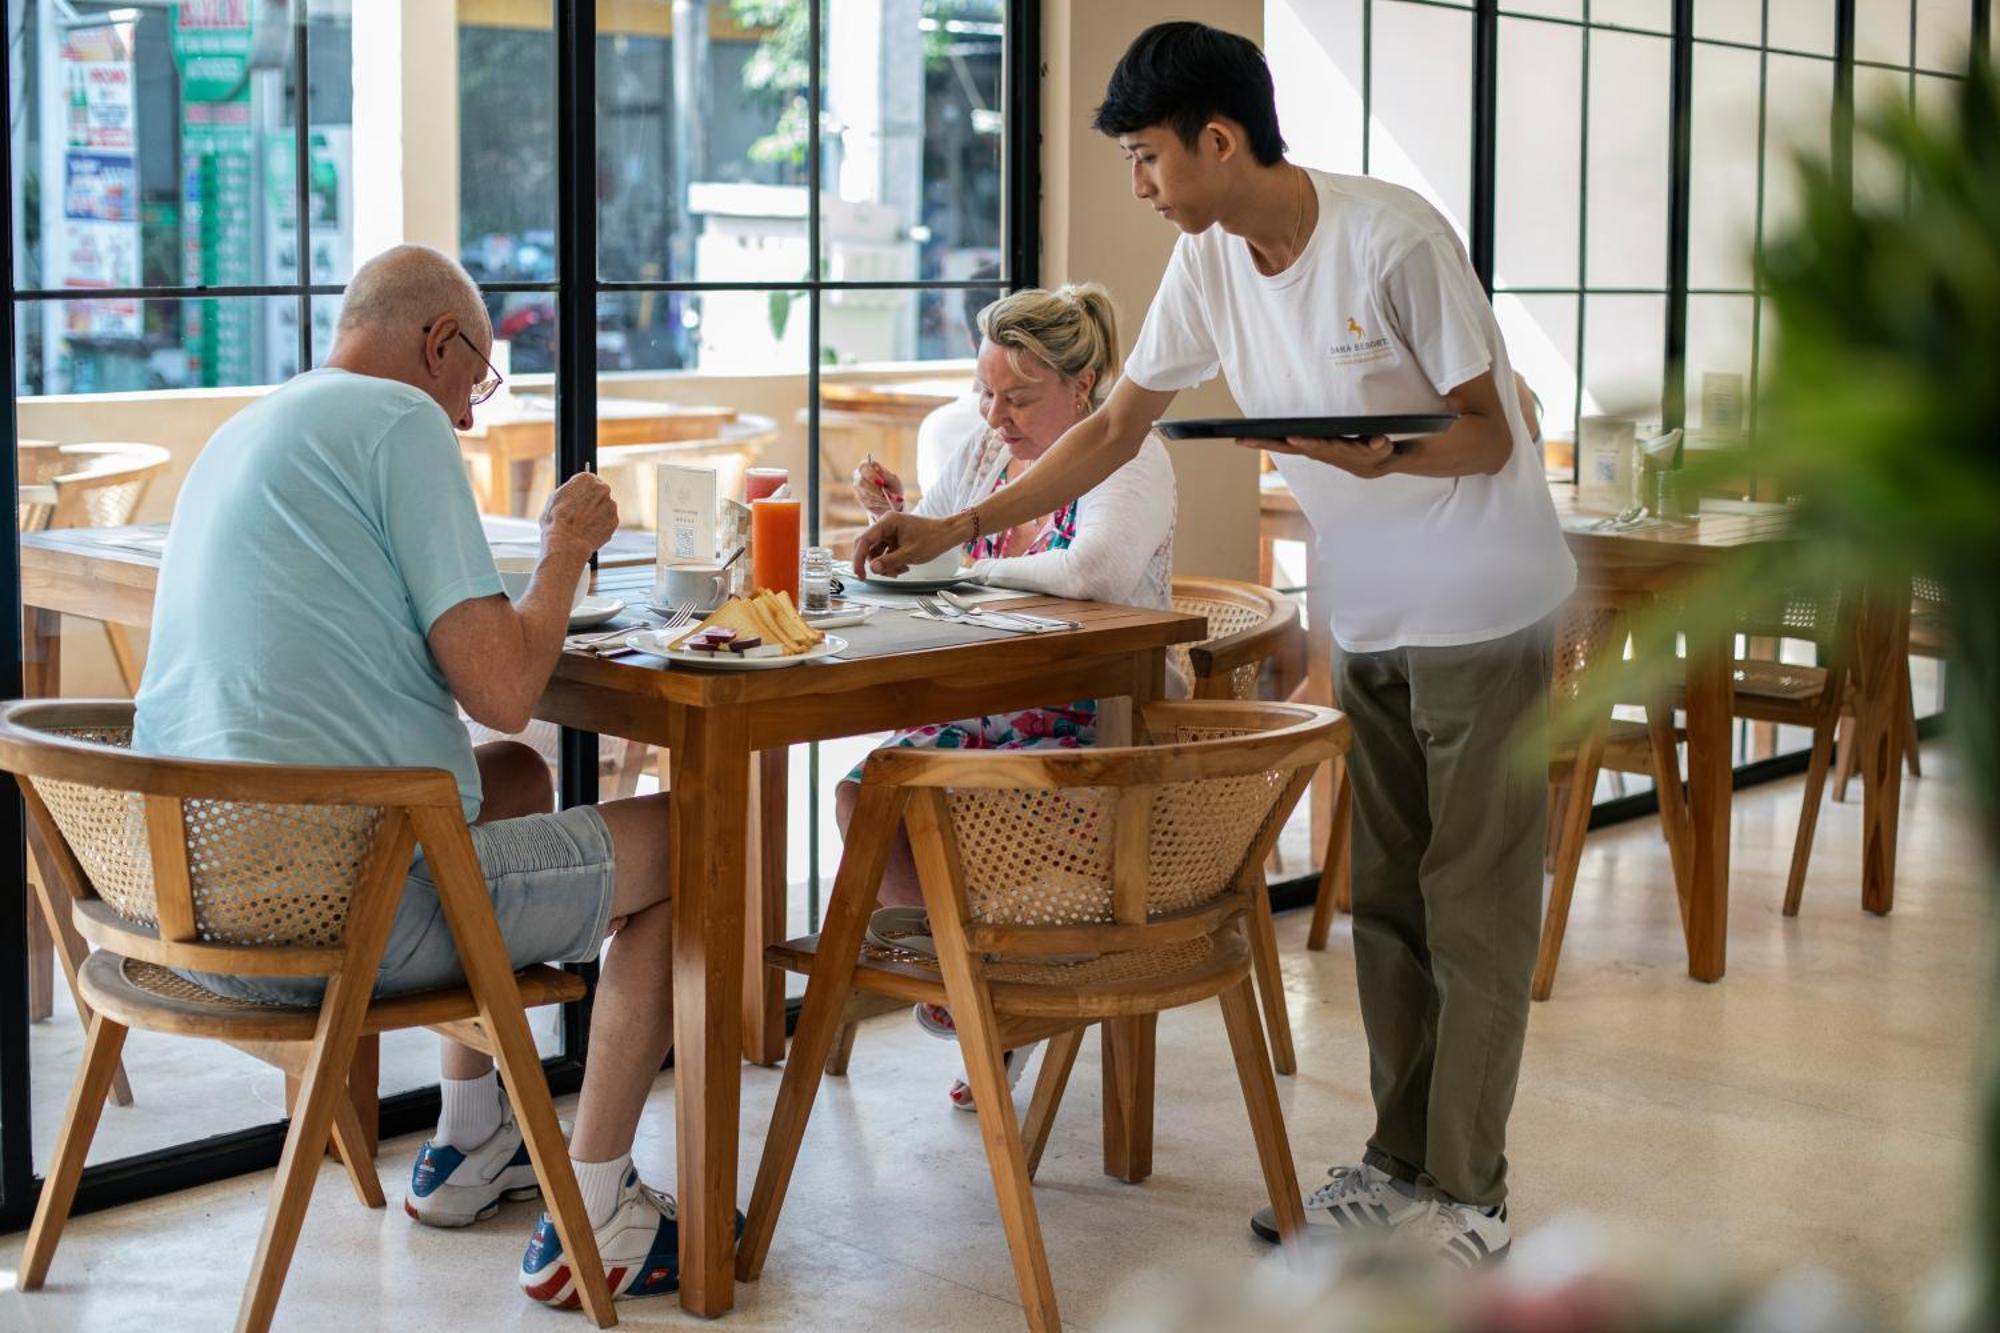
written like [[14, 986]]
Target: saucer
[[594, 611]]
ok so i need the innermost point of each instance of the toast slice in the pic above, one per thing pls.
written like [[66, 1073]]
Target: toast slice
[[768, 616]]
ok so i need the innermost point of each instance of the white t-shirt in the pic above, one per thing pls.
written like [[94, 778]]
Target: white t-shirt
[[1382, 313]]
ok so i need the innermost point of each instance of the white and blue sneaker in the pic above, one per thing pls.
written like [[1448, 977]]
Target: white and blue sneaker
[[640, 1244], [450, 1188], [1353, 1197]]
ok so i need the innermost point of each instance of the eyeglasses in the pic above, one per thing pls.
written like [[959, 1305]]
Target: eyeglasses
[[487, 387]]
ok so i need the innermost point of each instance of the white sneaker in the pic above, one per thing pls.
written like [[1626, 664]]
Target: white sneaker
[[450, 1188], [1458, 1233], [1353, 1196], [639, 1244]]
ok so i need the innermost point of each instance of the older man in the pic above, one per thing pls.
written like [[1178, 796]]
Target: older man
[[328, 597]]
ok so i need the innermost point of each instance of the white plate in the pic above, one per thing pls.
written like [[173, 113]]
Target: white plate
[[655, 641], [594, 611], [905, 583]]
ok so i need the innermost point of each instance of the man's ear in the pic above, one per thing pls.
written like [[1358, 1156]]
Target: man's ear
[[1222, 139]]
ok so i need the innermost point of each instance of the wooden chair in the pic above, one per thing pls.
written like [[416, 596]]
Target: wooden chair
[[1063, 888], [92, 486], [1587, 639], [1247, 625], [266, 870], [1930, 636]]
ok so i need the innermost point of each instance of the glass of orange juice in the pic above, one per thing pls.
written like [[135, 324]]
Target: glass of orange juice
[[774, 546]]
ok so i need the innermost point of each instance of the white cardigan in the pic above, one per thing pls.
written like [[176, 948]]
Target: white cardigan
[[1123, 550]]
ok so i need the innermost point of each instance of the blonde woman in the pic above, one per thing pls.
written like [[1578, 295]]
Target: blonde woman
[[1046, 359]]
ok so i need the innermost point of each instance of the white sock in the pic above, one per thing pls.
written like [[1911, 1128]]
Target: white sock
[[602, 1183], [471, 1111]]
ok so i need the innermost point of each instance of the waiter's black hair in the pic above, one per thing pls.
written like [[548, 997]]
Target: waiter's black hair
[[1183, 75]]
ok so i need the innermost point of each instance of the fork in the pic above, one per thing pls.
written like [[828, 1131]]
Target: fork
[[674, 619]]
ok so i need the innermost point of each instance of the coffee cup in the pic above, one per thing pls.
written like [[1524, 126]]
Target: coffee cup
[[516, 570], [702, 584]]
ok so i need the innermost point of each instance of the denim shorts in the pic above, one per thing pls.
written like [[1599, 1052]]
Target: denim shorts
[[550, 879]]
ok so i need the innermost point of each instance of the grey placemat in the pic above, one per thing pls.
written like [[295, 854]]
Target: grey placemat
[[887, 632]]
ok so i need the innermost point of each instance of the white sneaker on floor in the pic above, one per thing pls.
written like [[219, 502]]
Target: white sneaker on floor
[[1353, 1196], [450, 1188], [1458, 1233]]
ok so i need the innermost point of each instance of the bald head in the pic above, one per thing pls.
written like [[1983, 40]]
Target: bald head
[[406, 287], [412, 314]]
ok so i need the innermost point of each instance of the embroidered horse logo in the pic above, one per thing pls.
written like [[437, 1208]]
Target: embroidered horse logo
[[1355, 328]]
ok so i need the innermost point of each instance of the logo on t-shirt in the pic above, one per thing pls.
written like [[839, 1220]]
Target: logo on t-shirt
[[1360, 347]]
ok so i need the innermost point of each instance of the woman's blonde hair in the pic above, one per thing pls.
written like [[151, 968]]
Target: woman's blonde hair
[[1071, 330]]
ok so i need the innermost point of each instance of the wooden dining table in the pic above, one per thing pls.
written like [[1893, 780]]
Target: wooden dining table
[[715, 725], [1631, 567], [521, 432]]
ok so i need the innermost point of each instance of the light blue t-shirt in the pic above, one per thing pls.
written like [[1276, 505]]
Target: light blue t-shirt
[[316, 539]]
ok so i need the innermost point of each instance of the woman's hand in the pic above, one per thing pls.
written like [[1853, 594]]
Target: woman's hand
[[879, 490], [899, 540]]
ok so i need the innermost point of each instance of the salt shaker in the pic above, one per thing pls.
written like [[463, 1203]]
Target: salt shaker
[[816, 579]]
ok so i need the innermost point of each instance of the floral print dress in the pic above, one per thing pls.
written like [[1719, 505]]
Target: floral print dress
[[1068, 727]]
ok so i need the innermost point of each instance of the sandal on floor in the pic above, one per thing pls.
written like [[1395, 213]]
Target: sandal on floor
[[1017, 1065], [936, 1020]]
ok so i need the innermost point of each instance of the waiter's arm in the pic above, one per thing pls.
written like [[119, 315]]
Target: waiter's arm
[[1087, 453], [1478, 443]]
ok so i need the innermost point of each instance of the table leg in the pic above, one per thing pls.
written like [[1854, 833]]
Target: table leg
[[41, 678], [710, 750], [1710, 700], [1882, 669], [764, 919], [1319, 690], [1129, 1042]]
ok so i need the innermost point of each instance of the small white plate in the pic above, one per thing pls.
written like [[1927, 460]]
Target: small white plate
[[655, 643], [594, 611], [907, 583], [668, 608]]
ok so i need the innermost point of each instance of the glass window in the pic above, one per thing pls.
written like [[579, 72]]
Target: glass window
[[1729, 21], [1622, 356], [1562, 9], [1539, 162], [1798, 99], [506, 204], [1722, 203], [1718, 359], [1541, 341], [911, 148], [1420, 127], [1802, 25], [1944, 35], [155, 149], [1629, 119], [1882, 31], [1649, 15], [1314, 47]]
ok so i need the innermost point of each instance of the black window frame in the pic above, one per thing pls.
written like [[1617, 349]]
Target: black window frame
[[576, 288]]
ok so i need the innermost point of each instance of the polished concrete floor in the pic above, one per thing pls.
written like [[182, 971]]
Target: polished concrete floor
[[1813, 1108]]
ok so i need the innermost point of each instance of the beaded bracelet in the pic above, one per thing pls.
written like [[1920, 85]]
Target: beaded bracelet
[[971, 512]]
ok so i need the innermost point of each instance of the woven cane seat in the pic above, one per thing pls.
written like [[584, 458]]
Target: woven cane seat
[[144, 995], [1224, 619], [1194, 968]]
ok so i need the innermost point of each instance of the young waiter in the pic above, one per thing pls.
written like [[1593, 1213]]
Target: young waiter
[[1322, 295]]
